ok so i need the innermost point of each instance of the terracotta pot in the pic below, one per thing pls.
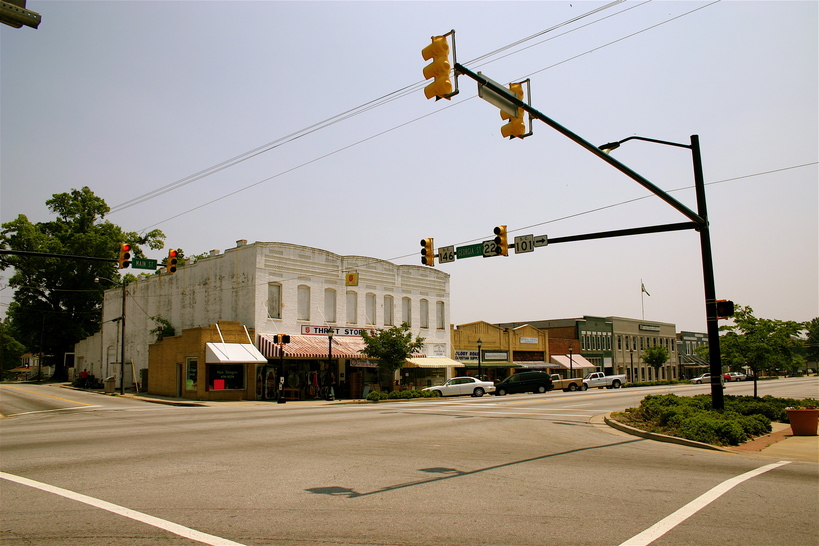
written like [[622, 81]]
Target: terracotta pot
[[804, 422]]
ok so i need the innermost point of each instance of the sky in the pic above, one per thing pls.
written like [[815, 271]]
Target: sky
[[305, 122]]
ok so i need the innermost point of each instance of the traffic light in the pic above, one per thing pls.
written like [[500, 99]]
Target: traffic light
[[725, 309], [439, 69], [124, 255], [14, 14], [517, 125], [281, 339], [170, 263], [501, 241], [428, 252]]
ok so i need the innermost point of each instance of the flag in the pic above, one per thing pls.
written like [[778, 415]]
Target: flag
[[643, 288]]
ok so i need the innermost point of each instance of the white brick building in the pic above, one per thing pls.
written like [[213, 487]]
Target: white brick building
[[273, 288]]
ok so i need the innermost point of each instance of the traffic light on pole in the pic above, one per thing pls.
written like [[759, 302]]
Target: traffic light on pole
[[170, 263], [124, 255], [428, 252], [517, 125], [501, 241], [438, 70]]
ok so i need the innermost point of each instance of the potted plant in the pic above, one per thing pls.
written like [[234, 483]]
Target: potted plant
[[804, 420]]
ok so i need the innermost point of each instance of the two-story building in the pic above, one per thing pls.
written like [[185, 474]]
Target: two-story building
[[273, 288]]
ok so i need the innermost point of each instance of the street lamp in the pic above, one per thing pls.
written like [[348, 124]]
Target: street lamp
[[479, 357], [631, 359], [571, 362], [717, 397], [122, 341]]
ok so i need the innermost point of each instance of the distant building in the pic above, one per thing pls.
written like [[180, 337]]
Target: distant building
[[691, 364]]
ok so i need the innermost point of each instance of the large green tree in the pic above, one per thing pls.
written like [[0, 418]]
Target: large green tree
[[391, 347], [763, 345], [56, 300]]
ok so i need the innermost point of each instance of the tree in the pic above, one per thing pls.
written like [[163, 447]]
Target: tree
[[655, 357], [10, 349], [812, 343], [56, 301], [760, 344], [392, 347]]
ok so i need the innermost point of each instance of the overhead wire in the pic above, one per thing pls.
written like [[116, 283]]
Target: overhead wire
[[375, 103]]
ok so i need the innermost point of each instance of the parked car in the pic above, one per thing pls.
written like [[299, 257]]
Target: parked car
[[458, 386], [704, 378], [524, 382], [736, 376]]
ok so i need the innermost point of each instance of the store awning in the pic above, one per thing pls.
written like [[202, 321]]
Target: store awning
[[313, 347], [233, 353], [474, 364], [534, 365], [577, 361], [432, 362]]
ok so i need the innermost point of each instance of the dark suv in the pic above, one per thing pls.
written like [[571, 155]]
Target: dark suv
[[524, 382]]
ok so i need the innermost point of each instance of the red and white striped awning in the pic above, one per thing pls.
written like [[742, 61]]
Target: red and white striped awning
[[316, 347], [313, 347]]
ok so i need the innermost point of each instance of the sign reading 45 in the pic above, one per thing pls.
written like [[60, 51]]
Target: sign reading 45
[[490, 248]]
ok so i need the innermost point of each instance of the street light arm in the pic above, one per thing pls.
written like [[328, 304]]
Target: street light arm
[[614, 145]]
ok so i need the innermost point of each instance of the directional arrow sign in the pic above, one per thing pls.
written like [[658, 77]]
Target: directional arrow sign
[[541, 240]]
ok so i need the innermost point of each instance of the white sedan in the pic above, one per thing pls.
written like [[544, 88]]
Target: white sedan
[[458, 386]]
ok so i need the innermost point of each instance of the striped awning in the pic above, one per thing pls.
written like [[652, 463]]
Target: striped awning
[[313, 347], [432, 362]]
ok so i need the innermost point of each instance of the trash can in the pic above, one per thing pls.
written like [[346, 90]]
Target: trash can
[[110, 385]]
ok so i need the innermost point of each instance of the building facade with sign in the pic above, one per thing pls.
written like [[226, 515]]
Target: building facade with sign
[[632, 337], [279, 288], [494, 352]]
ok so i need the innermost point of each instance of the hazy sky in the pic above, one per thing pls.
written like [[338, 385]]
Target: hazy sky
[[129, 98]]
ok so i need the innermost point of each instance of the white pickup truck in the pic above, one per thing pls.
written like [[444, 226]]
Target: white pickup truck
[[600, 380], [571, 384]]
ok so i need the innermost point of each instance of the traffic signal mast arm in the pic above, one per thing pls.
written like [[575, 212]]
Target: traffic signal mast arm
[[513, 99]]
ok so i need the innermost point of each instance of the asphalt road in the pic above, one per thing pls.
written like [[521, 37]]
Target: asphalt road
[[522, 469]]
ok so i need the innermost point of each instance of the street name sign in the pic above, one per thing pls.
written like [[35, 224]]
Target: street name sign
[[141, 263], [469, 251]]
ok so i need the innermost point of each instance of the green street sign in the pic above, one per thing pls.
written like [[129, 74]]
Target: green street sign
[[141, 263], [469, 251]]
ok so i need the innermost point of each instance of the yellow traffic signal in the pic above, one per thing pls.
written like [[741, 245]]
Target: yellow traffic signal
[[170, 263], [428, 252], [517, 125], [124, 255], [439, 69], [501, 241]]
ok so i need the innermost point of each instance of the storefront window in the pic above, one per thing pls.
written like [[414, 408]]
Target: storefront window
[[274, 300], [226, 376], [191, 373], [440, 315], [304, 303], [370, 308], [352, 308], [330, 305], [424, 314]]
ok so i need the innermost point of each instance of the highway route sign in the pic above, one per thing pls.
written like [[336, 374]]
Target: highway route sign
[[524, 243], [446, 254]]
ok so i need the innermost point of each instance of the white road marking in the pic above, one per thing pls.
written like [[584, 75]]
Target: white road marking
[[669, 522], [174, 528]]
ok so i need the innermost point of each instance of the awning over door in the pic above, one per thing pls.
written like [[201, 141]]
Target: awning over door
[[313, 347], [233, 353], [432, 362], [577, 361]]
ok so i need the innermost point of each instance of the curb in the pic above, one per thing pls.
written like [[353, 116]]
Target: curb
[[660, 437]]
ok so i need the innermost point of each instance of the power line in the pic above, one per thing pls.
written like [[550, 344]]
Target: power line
[[393, 96], [400, 93]]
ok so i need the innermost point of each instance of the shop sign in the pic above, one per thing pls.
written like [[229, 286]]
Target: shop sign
[[528, 340], [324, 330], [649, 327], [496, 356]]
